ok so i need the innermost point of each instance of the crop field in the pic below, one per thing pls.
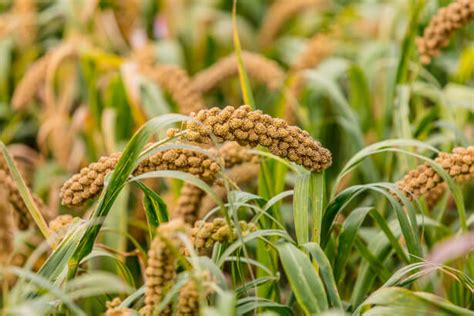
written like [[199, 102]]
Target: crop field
[[236, 157]]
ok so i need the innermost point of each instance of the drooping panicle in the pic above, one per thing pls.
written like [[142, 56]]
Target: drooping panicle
[[177, 83], [425, 181], [188, 203], [89, 182], [28, 86], [442, 26], [252, 128], [161, 265], [21, 211], [258, 68]]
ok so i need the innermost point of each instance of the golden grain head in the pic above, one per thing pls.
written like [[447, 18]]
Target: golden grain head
[[162, 263], [188, 203], [22, 214], [30, 83], [252, 128], [188, 300], [442, 26], [113, 308], [422, 180], [206, 234], [61, 223], [89, 182]]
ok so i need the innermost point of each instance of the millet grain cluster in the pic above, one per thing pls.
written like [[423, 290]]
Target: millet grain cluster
[[161, 265], [28, 86], [89, 182], [7, 223], [206, 234], [60, 224], [442, 26], [36, 75], [113, 308], [424, 181], [188, 300], [233, 154], [252, 128], [188, 203], [14, 198]]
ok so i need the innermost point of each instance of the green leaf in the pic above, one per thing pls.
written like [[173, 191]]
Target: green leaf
[[400, 301], [380, 248], [181, 176], [248, 304], [43, 283], [95, 283], [326, 273], [226, 303], [346, 239], [304, 281], [155, 208], [57, 261], [259, 234]]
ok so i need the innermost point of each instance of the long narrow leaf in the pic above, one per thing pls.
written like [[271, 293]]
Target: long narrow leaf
[[304, 281]]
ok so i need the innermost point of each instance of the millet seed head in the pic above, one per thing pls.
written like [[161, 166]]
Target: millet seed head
[[89, 182], [442, 26], [188, 300], [206, 234], [425, 181], [21, 211], [258, 67], [162, 263], [177, 83], [188, 203], [252, 128], [7, 223]]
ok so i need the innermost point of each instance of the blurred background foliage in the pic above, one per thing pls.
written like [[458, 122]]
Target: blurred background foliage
[[90, 96]]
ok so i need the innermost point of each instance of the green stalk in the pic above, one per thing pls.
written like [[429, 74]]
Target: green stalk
[[243, 77]]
